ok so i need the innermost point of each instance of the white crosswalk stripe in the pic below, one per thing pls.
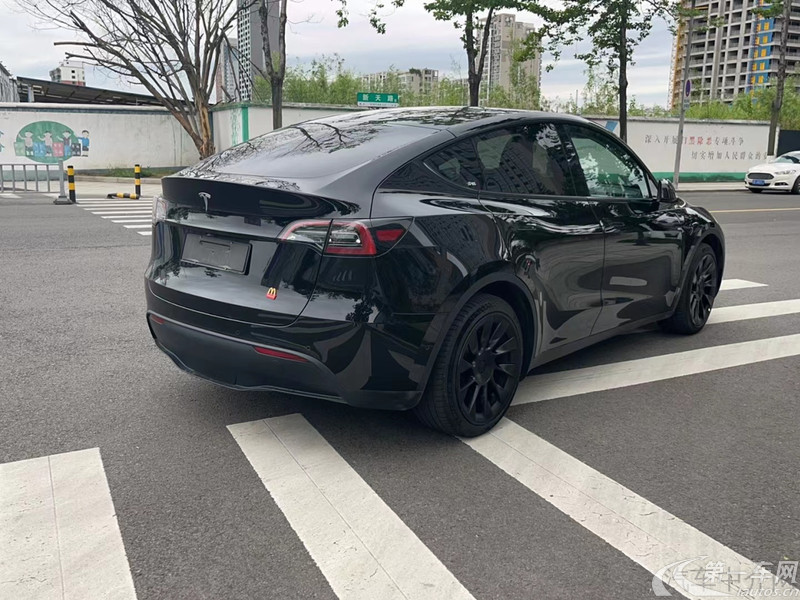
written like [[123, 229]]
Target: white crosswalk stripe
[[60, 537], [645, 533], [133, 215], [739, 284], [362, 547], [9, 195]]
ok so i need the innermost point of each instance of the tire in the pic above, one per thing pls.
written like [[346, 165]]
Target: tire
[[796, 186], [755, 191], [469, 390], [697, 297]]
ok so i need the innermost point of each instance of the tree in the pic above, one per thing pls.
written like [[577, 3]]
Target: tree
[[779, 9], [754, 106], [170, 48], [464, 14], [275, 58], [615, 28]]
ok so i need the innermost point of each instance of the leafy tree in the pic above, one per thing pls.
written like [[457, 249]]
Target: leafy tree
[[275, 58], [615, 28], [464, 15], [172, 49], [755, 106]]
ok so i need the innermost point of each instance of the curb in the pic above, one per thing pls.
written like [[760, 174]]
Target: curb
[[101, 178]]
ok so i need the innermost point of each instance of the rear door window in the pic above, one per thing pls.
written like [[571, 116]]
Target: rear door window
[[528, 159]]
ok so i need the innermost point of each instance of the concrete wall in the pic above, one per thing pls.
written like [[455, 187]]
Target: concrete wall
[[237, 123], [711, 149], [92, 137]]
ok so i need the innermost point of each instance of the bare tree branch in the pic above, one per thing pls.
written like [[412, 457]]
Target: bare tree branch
[[170, 48]]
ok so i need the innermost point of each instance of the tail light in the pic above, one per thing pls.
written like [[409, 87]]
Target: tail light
[[159, 209], [348, 238]]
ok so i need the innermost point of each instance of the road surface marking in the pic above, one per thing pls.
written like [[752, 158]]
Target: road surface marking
[[148, 226], [743, 312], [655, 368], [132, 213], [114, 220], [118, 203], [361, 546], [9, 195], [145, 232], [739, 284], [129, 216], [645, 533], [60, 537], [747, 210]]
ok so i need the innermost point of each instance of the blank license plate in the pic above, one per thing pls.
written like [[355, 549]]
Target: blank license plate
[[218, 253], [759, 182]]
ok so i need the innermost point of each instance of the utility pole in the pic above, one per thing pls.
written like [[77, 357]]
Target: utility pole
[[685, 93]]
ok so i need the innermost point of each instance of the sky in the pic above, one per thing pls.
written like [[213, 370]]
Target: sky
[[413, 38]]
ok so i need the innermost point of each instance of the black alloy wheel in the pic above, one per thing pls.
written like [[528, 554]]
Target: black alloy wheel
[[477, 370], [699, 292], [703, 288], [486, 377]]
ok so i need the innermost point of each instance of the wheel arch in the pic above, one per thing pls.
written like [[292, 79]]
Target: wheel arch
[[504, 285]]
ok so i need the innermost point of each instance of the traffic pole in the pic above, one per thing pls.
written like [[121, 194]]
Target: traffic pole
[[137, 180], [685, 96], [62, 197], [71, 181]]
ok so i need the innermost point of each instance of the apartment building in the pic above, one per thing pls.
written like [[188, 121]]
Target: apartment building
[[413, 81], [251, 41], [505, 34], [226, 81], [69, 71], [733, 49]]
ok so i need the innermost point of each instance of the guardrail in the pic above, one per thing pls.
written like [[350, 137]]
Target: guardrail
[[28, 177]]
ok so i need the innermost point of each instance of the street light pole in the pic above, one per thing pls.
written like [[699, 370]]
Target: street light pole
[[676, 176]]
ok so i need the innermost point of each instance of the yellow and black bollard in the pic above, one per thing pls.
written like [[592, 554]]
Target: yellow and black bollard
[[137, 180], [71, 182], [137, 186]]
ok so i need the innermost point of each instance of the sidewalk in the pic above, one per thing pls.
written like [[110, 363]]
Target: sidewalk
[[711, 186]]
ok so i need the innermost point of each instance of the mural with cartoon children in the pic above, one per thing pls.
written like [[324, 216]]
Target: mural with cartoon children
[[49, 142]]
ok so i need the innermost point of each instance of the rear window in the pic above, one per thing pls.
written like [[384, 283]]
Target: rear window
[[314, 149]]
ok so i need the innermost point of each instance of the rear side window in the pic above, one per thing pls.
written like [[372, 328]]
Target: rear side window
[[528, 159], [315, 149]]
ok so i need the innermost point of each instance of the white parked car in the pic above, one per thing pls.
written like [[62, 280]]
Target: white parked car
[[782, 174]]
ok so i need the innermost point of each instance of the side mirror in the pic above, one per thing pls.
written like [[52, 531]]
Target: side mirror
[[666, 192]]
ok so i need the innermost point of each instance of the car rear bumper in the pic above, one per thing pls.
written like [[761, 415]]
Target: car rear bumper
[[364, 367]]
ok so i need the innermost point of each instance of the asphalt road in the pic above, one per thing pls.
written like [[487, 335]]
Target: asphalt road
[[716, 449]]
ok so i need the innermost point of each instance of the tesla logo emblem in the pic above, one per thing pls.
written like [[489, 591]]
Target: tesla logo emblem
[[272, 293], [206, 197]]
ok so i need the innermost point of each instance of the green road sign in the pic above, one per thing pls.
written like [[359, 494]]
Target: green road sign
[[378, 100]]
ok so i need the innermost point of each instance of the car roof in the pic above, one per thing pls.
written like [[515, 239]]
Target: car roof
[[455, 119]]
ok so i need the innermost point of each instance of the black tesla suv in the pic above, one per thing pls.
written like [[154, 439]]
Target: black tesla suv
[[420, 258]]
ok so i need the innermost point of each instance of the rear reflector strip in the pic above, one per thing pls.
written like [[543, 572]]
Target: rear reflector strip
[[389, 235], [279, 354], [157, 320]]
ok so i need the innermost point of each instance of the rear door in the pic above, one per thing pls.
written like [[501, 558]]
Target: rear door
[[644, 240], [552, 236]]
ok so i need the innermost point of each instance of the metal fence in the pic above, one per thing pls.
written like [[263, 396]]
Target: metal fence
[[29, 178]]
